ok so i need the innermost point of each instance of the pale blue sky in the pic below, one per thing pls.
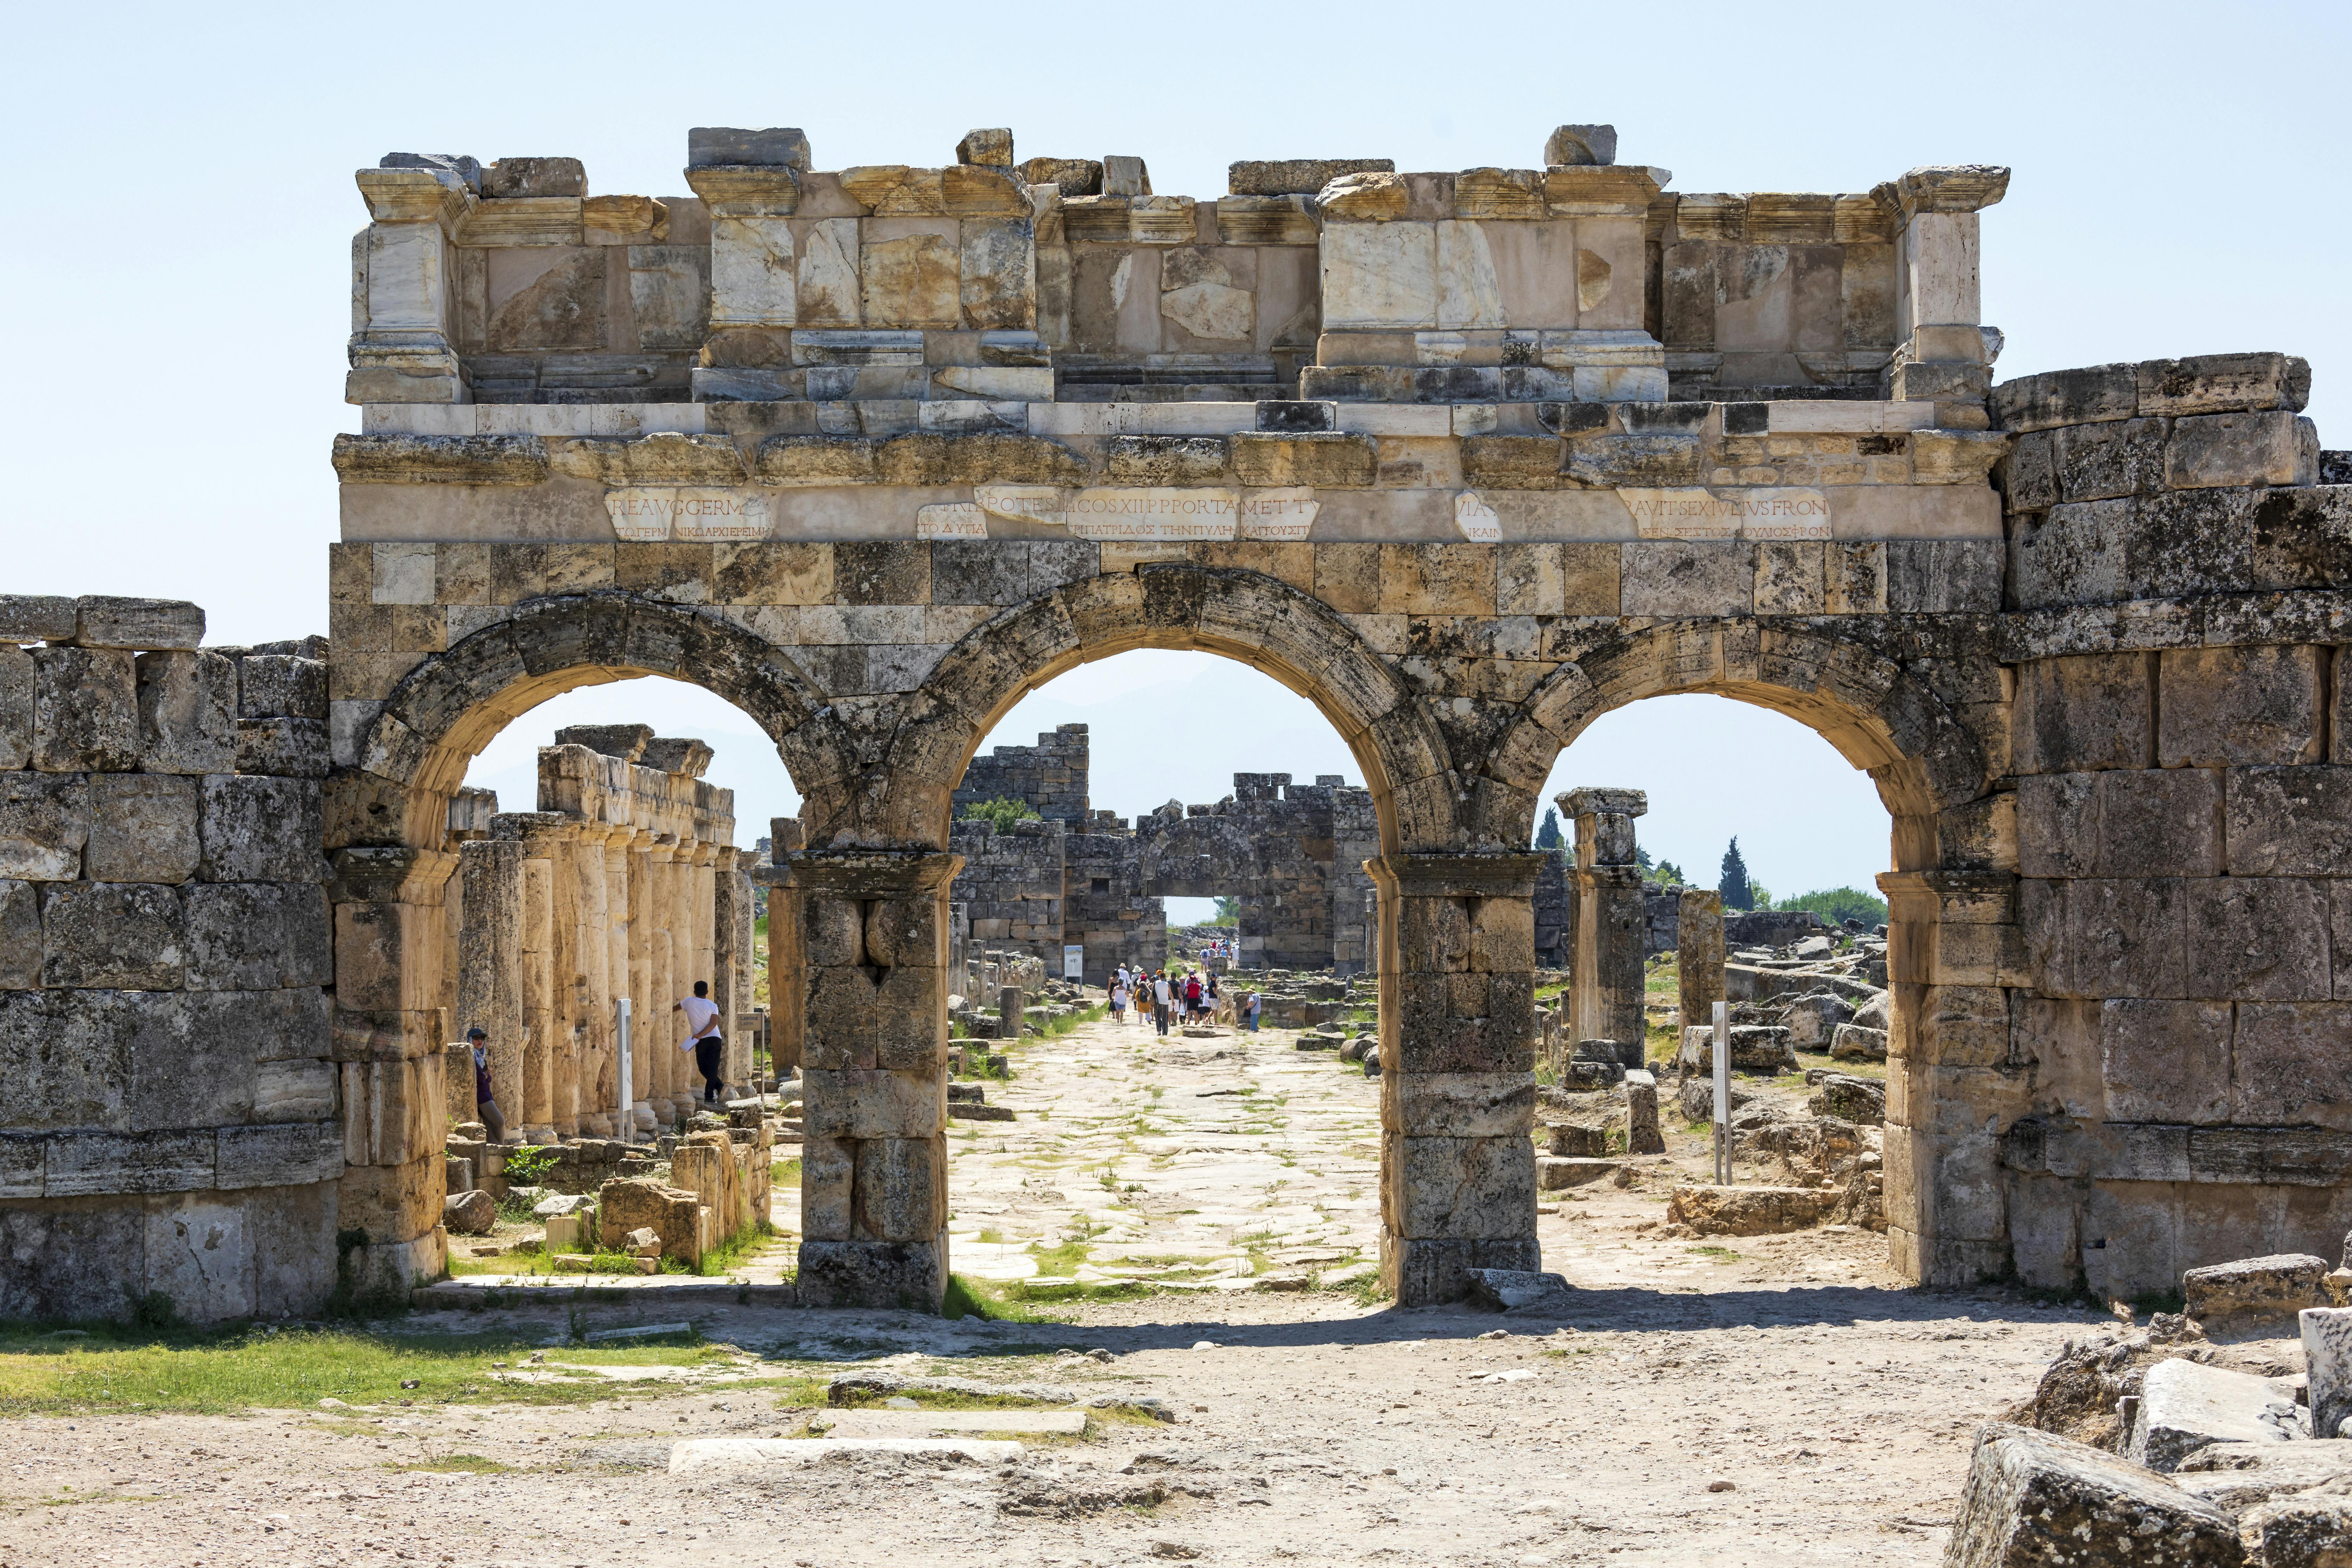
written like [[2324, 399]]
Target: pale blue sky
[[178, 293]]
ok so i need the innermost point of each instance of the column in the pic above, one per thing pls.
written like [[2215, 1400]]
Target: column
[[1457, 1069], [1699, 955], [389, 1033], [644, 1028], [593, 1080], [703, 877], [1613, 923], [490, 958], [730, 981], [400, 349], [653, 1018], [542, 838], [873, 1164], [619, 982], [787, 977]]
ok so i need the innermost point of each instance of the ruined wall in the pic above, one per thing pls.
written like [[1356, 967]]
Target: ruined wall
[[1011, 885], [1106, 908], [169, 1085], [2157, 1010], [1050, 777]]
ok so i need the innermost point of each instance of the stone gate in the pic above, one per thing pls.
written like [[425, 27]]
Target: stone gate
[[1465, 458]]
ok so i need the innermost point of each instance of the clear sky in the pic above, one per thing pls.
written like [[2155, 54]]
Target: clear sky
[[177, 296]]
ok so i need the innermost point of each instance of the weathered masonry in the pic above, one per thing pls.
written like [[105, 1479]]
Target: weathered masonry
[[1467, 459], [1291, 854]]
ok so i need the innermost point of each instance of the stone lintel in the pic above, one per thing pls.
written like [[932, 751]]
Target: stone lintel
[[400, 875], [747, 190], [1505, 876], [871, 873], [412, 195]]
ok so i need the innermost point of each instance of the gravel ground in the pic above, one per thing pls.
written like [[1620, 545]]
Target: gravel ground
[[1776, 1400]]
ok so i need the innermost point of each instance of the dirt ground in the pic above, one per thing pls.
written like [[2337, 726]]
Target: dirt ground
[[1776, 1400]]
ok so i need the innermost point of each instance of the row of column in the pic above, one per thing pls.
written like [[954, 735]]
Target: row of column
[[559, 918]]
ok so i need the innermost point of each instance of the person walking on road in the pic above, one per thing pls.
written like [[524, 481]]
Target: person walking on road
[[703, 1038]]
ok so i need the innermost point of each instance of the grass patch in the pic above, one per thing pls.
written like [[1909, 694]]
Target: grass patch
[[1058, 1261], [785, 1172], [737, 1250], [457, 1465], [118, 1369], [972, 1299], [1714, 1254]]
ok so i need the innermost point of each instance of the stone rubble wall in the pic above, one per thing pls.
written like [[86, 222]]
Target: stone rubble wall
[[1050, 776], [175, 1111]]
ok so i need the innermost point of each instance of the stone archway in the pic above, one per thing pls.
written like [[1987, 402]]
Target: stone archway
[[1954, 942]]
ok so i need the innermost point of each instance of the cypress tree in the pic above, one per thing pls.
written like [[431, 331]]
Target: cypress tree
[[1547, 835], [1734, 885]]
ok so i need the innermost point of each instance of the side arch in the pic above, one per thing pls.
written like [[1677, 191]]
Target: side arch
[[452, 705], [1879, 716], [1242, 615]]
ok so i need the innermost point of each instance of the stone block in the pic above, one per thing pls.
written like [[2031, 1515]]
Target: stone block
[[511, 179], [296, 1154], [127, 935], [2032, 1497], [288, 748], [860, 1104], [143, 828], [2258, 937], [36, 617], [43, 826], [1424, 1271], [828, 1188], [2288, 821], [469, 1214], [85, 710], [2085, 712], [2184, 1406], [65, 1058], [2276, 1286], [1458, 1105], [1332, 460], [199, 1253], [1642, 1132], [187, 713], [393, 1111], [673, 1214], [2220, 384], [2096, 462], [93, 1163], [262, 936], [1609, 462], [19, 681], [909, 1275], [1679, 577], [2326, 1335], [294, 1090], [262, 830], [2310, 1530], [2222, 707], [104, 620], [1458, 1188], [2286, 1065], [900, 1189], [394, 1202], [2165, 1060], [720, 145], [1294, 176], [2221, 450]]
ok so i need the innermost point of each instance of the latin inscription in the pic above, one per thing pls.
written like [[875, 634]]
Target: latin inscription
[[1694, 513]]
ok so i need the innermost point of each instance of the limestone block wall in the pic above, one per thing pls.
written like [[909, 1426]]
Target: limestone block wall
[[1106, 907], [1011, 885], [1050, 776], [169, 1087], [2139, 979]]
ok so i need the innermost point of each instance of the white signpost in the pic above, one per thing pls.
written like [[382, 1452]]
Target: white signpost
[[627, 1122], [1074, 961], [1722, 1094]]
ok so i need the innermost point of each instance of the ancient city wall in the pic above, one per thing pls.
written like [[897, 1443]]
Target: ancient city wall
[[177, 1113]]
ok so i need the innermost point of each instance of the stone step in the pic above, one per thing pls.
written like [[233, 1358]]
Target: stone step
[[937, 1423], [752, 1453], [1554, 1172]]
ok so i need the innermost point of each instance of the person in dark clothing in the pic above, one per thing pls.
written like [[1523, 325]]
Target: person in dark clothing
[[485, 1106]]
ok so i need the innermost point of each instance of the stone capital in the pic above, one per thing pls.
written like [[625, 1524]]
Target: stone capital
[[389, 876], [1593, 802], [871, 873], [1507, 876], [539, 831], [1602, 190], [747, 190], [1945, 188], [414, 195]]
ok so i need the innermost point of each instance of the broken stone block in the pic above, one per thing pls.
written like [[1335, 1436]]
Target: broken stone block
[[131, 935], [1297, 176], [1853, 1042], [18, 679], [143, 828], [2303, 1532], [85, 711], [1573, 1139], [720, 145], [2184, 1406], [2328, 1362], [2034, 1499], [104, 620], [2255, 1286], [515, 178], [1519, 1290], [2236, 1477], [1124, 176], [1750, 1211], [992, 148], [1850, 1098], [1642, 1133], [187, 713], [469, 1214], [1580, 145], [20, 936], [629, 1203], [1556, 1173]]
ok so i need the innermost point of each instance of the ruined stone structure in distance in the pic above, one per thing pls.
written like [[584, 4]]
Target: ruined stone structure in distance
[[1468, 459]]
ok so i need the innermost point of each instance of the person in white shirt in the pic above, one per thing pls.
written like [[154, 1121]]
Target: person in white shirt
[[703, 1038], [1163, 995], [1118, 998]]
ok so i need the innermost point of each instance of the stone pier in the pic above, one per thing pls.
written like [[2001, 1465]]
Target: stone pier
[[1611, 920]]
